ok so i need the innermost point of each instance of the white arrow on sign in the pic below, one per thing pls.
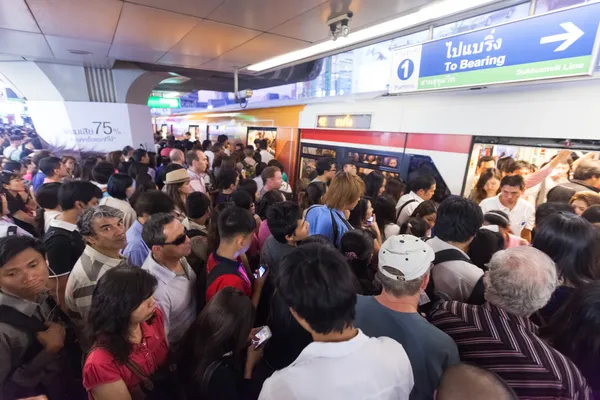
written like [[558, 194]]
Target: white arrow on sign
[[572, 34]]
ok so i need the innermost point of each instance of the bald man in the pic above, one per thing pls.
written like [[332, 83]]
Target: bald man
[[177, 157], [465, 381]]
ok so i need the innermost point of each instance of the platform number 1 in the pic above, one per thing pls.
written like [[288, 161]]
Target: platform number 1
[[405, 69]]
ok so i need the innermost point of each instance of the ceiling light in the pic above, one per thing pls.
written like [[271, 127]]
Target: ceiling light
[[79, 52], [426, 14]]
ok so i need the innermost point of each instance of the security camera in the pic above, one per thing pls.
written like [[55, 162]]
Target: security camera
[[339, 26]]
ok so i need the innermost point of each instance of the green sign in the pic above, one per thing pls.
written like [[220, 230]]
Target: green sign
[[162, 102]]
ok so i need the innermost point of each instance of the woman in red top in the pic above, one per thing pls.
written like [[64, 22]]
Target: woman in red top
[[126, 327]]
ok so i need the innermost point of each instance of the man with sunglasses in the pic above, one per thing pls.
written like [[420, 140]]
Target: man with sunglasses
[[176, 291]]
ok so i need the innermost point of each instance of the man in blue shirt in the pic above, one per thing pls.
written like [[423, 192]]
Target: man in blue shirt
[[149, 203], [329, 219], [38, 179]]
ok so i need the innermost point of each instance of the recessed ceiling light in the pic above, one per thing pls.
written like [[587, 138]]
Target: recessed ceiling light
[[79, 52]]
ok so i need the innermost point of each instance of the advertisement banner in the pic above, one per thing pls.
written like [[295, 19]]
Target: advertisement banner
[[71, 127], [558, 44]]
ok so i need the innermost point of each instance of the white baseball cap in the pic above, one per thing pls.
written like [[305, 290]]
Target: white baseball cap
[[407, 254]]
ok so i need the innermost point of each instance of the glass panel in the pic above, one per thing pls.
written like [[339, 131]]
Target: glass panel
[[420, 165], [481, 21], [367, 171], [308, 167], [543, 6], [364, 158], [318, 151]]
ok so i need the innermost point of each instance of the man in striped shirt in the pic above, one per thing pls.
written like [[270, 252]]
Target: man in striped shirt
[[499, 336], [104, 233]]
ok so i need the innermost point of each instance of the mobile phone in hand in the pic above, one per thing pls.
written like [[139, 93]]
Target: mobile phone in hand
[[261, 336]]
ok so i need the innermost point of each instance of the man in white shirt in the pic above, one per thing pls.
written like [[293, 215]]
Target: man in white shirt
[[197, 165], [15, 142], [265, 156], [520, 211], [341, 362], [421, 189]]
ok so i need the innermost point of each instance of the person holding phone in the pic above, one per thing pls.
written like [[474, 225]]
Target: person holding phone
[[211, 362]]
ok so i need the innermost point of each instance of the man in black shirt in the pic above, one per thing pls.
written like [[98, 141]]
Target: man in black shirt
[[62, 240], [585, 178]]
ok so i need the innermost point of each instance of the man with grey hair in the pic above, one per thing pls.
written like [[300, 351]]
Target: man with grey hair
[[177, 157], [500, 337], [104, 233], [404, 270], [586, 177]]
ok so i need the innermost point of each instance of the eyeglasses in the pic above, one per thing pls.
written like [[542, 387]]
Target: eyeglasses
[[180, 239]]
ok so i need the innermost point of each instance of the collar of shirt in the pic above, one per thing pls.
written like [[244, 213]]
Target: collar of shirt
[[161, 272], [220, 260], [189, 225], [331, 350], [95, 255], [57, 223], [415, 196], [23, 306], [194, 175], [438, 244]]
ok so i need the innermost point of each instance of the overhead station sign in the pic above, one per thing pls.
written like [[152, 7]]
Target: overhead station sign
[[558, 44]]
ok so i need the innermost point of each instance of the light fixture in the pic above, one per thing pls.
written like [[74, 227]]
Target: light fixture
[[426, 14], [79, 52]]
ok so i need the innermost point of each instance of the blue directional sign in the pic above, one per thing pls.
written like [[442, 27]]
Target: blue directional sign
[[557, 44]]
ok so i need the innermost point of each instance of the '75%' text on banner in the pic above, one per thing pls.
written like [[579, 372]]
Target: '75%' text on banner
[[553, 45]]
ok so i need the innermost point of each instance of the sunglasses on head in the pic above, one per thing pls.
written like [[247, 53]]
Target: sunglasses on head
[[179, 240]]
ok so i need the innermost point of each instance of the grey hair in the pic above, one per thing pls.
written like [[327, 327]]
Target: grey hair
[[520, 280], [587, 169], [85, 221], [399, 287], [176, 155], [153, 232]]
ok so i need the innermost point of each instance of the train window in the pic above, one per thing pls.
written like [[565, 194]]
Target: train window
[[420, 165], [543, 6], [387, 174], [318, 151], [373, 159], [308, 168], [391, 162]]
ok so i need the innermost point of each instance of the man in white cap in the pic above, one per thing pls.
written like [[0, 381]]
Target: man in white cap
[[405, 262]]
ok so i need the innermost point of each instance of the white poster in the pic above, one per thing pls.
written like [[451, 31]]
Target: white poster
[[91, 127], [406, 64]]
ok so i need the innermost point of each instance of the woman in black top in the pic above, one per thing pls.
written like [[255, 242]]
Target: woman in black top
[[18, 199], [211, 362]]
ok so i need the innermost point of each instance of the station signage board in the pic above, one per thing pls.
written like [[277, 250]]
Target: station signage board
[[558, 44], [352, 121], [163, 102]]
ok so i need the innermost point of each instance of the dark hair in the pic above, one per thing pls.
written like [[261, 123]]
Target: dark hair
[[426, 207], [71, 192], [250, 186], [139, 154], [484, 245], [276, 163], [12, 166], [268, 199], [114, 157], [282, 219], [39, 156], [102, 172], [570, 241], [206, 144], [118, 185], [235, 221], [11, 246], [49, 164], [118, 293], [479, 193], [197, 204], [357, 247], [137, 168], [483, 160], [592, 214], [506, 164], [458, 220], [312, 194], [323, 165], [574, 329], [213, 238], [242, 199], [222, 327], [47, 198], [262, 144], [421, 182], [153, 230], [415, 226], [373, 183], [545, 210], [394, 187], [316, 239], [587, 169], [359, 213], [87, 166], [513, 180], [497, 217], [127, 149], [143, 184], [153, 202], [222, 138], [260, 168], [385, 211], [227, 177], [317, 283]]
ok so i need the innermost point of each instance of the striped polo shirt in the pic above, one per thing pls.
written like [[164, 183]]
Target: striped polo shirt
[[508, 345]]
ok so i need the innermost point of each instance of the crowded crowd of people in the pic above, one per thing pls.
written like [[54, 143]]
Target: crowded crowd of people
[[199, 271]]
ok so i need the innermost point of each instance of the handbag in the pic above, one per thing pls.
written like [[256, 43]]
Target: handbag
[[160, 385]]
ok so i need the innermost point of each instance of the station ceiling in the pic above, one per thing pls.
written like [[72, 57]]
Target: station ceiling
[[215, 35]]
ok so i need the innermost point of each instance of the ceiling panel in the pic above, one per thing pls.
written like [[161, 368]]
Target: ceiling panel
[[24, 43], [196, 8], [261, 14], [182, 60], [9, 57], [211, 39], [262, 47], [133, 53], [83, 19], [60, 47], [14, 14], [151, 28], [219, 65], [312, 25], [99, 62]]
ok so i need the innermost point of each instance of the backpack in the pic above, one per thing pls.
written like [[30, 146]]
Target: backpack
[[402, 208], [250, 170], [205, 280], [334, 225]]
